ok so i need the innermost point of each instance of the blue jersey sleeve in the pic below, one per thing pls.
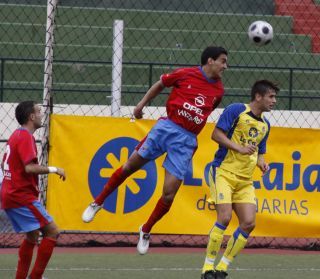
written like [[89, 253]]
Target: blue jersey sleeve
[[263, 144], [229, 115]]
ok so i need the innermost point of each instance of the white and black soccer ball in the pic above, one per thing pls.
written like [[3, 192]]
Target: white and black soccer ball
[[260, 32]]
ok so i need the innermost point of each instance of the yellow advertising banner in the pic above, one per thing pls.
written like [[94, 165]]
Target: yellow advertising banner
[[91, 148]]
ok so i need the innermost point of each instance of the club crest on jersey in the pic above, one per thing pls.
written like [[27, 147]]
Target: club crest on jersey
[[253, 132]]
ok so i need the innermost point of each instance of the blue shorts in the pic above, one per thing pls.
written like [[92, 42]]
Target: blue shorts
[[180, 145], [28, 218]]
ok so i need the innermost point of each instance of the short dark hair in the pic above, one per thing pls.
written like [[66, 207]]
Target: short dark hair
[[212, 52], [262, 87], [23, 111]]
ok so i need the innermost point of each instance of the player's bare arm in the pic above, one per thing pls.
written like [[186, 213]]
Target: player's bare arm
[[262, 164], [219, 136], [154, 90], [38, 169]]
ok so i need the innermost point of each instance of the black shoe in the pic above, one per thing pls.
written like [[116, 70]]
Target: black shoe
[[221, 274], [209, 274]]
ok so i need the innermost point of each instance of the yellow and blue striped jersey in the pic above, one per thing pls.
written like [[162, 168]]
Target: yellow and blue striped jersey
[[242, 127]]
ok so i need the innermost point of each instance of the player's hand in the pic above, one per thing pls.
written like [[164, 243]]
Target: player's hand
[[264, 167], [247, 150], [137, 112], [61, 173]]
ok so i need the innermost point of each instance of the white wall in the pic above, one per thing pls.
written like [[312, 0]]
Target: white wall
[[279, 118]]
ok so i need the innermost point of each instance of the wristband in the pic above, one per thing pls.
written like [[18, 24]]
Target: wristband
[[52, 169]]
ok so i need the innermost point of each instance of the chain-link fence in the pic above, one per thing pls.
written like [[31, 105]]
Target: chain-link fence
[[99, 57]]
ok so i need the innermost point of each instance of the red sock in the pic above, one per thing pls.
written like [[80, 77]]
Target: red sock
[[25, 258], [160, 210], [44, 254], [113, 183]]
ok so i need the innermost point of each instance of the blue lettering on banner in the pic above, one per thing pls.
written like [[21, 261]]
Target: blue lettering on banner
[[282, 207], [138, 189], [145, 185], [189, 180], [274, 179], [203, 204]]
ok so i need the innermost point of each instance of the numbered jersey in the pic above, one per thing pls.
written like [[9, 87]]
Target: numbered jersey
[[18, 187], [193, 97]]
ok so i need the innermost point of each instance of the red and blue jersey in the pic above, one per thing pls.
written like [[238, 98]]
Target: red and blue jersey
[[18, 187], [193, 97]]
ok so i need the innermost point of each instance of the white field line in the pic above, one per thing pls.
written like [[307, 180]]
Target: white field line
[[174, 269]]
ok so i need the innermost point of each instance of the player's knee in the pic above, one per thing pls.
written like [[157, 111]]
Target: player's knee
[[168, 197], [248, 227], [225, 218], [33, 237], [52, 232], [55, 233], [128, 168]]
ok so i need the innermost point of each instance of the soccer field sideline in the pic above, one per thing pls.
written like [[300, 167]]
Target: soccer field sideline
[[115, 263], [167, 269], [164, 250]]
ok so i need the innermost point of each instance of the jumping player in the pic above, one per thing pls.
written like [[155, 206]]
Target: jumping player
[[196, 92]]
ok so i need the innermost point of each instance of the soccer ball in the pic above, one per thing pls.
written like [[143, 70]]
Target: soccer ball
[[260, 32]]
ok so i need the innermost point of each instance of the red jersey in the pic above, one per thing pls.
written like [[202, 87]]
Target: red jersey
[[193, 97], [18, 187]]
